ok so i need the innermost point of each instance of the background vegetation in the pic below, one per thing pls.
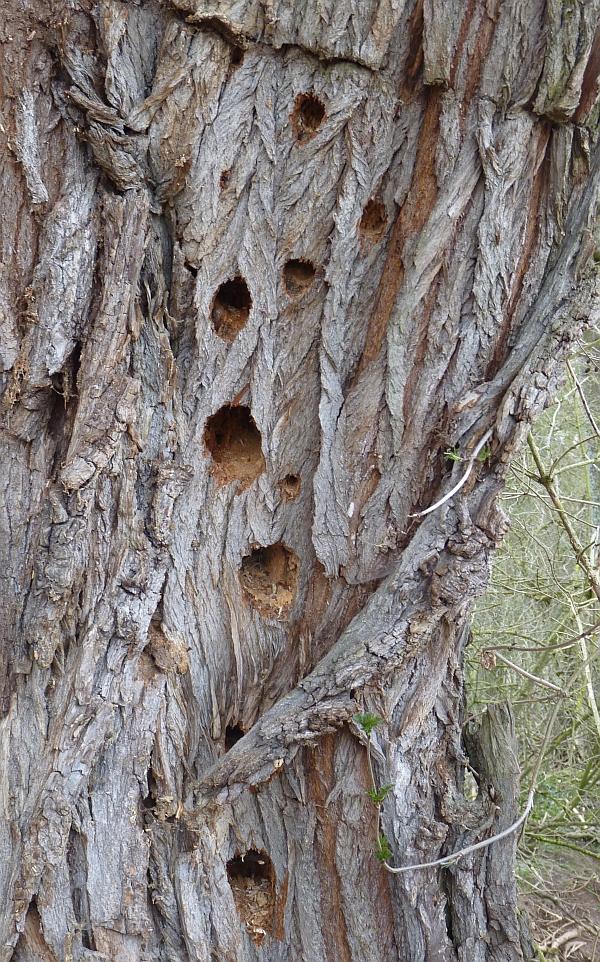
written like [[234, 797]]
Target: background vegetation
[[536, 643]]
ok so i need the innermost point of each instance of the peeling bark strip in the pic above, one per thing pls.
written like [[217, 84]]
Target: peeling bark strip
[[262, 263]]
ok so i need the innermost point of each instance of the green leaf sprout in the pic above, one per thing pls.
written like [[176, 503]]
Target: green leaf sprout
[[383, 852], [377, 795], [367, 721], [452, 454]]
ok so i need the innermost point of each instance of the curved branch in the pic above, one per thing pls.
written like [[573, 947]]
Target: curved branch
[[438, 504]]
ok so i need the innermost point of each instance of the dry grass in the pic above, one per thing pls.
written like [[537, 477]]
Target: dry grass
[[561, 895]]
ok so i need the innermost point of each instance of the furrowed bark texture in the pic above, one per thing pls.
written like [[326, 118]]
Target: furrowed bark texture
[[262, 264]]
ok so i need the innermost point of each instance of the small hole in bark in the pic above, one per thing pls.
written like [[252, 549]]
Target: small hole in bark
[[269, 576], [448, 920], [236, 56], [64, 383], [77, 868], [225, 178], [149, 800], [373, 221], [252, 880], [298, 277], [233, 733], [233, 440], [290, 487], [61, 408], [231, 308], [307, 116]]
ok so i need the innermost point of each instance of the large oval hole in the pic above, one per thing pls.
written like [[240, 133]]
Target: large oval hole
[[269, 577], [252, 880], [231, 308], [234, 442]]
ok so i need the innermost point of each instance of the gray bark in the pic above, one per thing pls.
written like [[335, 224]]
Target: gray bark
[[403, 194]]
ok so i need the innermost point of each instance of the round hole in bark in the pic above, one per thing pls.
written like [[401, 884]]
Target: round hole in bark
[[373, 221], [252, 880], [231, 308], [233, 440], [269, 577], [307, 116], [290, 487], [298, 276], [233, 733]]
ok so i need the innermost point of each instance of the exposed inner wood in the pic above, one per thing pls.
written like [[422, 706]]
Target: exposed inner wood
[[373, 221], [298, 276], [232, 305], [234, 441], [252, 880], [269, 576], [307, 116], [290, 486]]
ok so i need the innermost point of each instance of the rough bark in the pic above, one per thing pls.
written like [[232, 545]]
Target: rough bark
[[403, 194]]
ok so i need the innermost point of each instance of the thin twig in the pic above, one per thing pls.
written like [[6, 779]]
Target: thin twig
[[572, 447], [584, 401], [588, 673], [546, 480], [449, 859], [526, 674], [561, 646]]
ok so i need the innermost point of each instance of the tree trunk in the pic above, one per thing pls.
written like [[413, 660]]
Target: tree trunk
[[264, 262]]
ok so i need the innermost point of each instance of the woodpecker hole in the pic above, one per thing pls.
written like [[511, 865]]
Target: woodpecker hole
[[269, 577], [233, 733], [233, 440], [298, 277], [307, 116], [290, 487], [236, 56], [231, 308], [252, 880], [373, 221]]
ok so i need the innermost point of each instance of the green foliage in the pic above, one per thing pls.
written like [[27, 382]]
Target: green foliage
[[383, 852], [453, 454], [367, 721], [485, 454], [377, 795]]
